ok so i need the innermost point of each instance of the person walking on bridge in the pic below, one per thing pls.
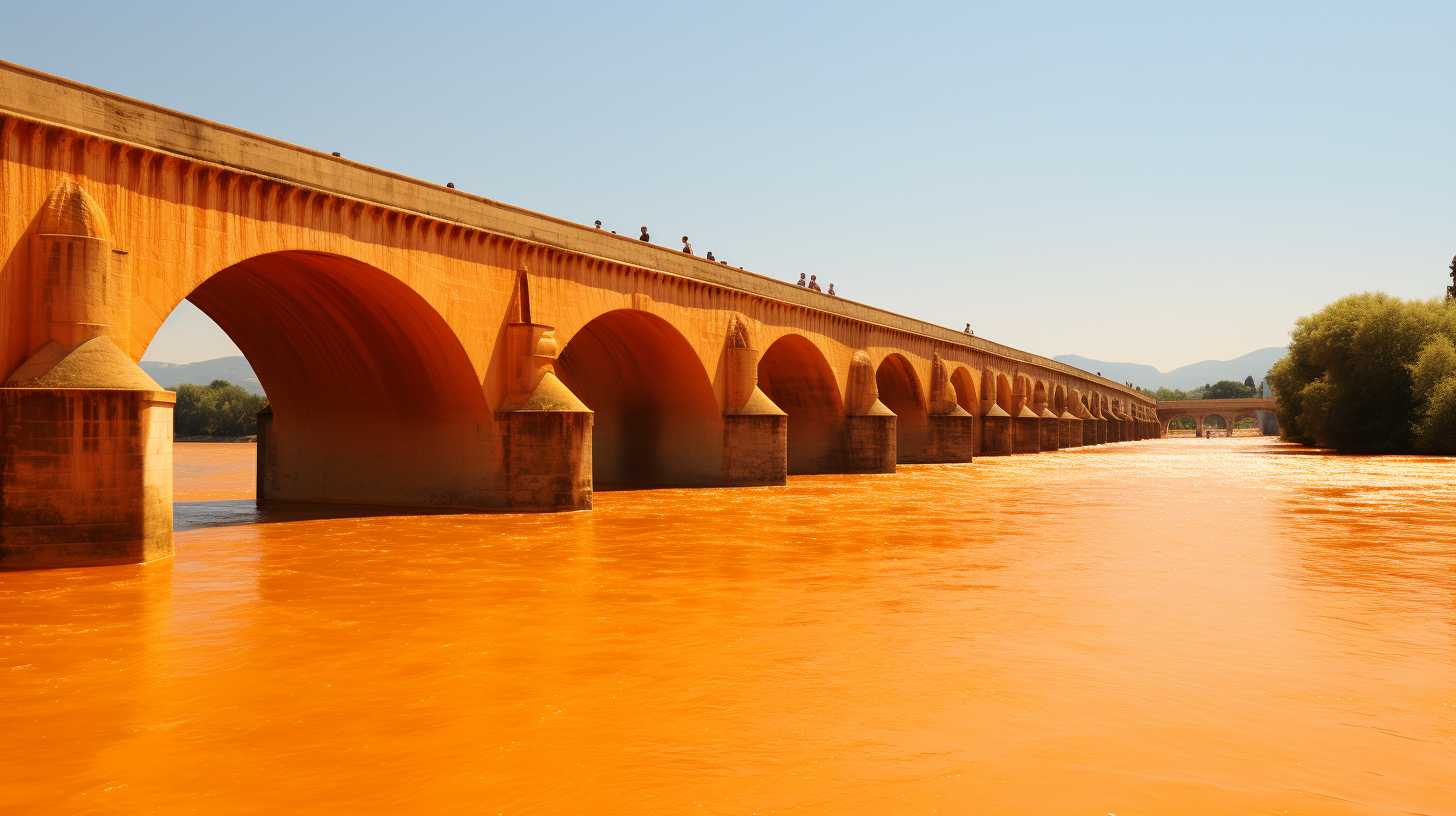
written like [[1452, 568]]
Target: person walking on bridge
[[814, 284], [644, 236], [687, 247], [802, 282]]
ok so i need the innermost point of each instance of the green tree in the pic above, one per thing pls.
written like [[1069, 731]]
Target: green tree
[[1249, 383], [1227, 389], [1166, 394], [1349, 381], [218, 409], [1433, 382]]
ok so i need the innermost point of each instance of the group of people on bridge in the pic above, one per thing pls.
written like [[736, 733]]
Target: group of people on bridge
[[811, 282]]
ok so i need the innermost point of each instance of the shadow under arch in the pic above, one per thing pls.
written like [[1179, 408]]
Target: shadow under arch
[[795, 375], [1218, 423], [657, 422], [900, 391], [964, 384], [1179, 424], [373, 399], [1005, 399], [1254, 424]]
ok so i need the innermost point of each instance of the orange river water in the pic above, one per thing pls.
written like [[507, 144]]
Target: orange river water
[[1167, 627]]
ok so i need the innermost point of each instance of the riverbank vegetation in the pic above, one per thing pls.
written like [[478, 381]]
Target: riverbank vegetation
[[218, 410], [1371, 373], [1223, 389]]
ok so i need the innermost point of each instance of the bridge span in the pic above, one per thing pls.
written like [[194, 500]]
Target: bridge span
[[1226, 411], [426, 348]]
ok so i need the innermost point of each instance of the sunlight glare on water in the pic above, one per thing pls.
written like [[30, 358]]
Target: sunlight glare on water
[[1171, 626]]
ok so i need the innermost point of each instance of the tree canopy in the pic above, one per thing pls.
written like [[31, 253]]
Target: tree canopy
[[218, 409], [1371, 373], [1223, 389]]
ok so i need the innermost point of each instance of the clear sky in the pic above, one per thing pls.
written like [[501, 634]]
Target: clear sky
[[1132, 181]]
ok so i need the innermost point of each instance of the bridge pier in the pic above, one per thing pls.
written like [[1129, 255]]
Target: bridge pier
[[950, 438], [86, 436], [950, 433], [755, 430], [1071, 435], [996, 432], [870, 443], [546, 432], [1049, 430], [1026, 431], [869, 427]]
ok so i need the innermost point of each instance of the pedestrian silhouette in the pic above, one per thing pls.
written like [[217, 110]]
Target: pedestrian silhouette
[[814, 283], [687, 247], [599, 223], [831, 292], [644, 236], [801, 278]]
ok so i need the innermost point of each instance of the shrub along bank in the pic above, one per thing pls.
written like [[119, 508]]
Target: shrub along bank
[[218, 410], [1371, 373]]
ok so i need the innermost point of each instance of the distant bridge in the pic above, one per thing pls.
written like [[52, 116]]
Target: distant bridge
[[426, 348], [1227, 411]]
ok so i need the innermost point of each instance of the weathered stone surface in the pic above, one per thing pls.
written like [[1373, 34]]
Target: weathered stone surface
[[85, 476], [996, 433]]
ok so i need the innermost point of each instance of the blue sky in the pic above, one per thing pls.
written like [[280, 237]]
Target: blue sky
[[1132, 181]]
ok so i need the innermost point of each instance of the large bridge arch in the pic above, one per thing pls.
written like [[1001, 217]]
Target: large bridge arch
[[795, 374], [373, 398], [656, 419]]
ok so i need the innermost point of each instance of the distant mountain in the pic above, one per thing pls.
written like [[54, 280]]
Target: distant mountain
[[233, 369], [1255, 363]]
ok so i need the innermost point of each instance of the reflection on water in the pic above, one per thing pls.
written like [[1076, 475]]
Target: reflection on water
[[1199, 626], [193, 515]]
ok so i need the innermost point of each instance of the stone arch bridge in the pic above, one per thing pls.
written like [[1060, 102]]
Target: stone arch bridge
[[1227, 411], [425, 348]]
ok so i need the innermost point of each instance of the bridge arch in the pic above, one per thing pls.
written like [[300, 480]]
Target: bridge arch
[[373, 398], [1180, 423], [794, 373], [657, 421], [1005, 398], [964, 383], [901, 392], [1216, 424]]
